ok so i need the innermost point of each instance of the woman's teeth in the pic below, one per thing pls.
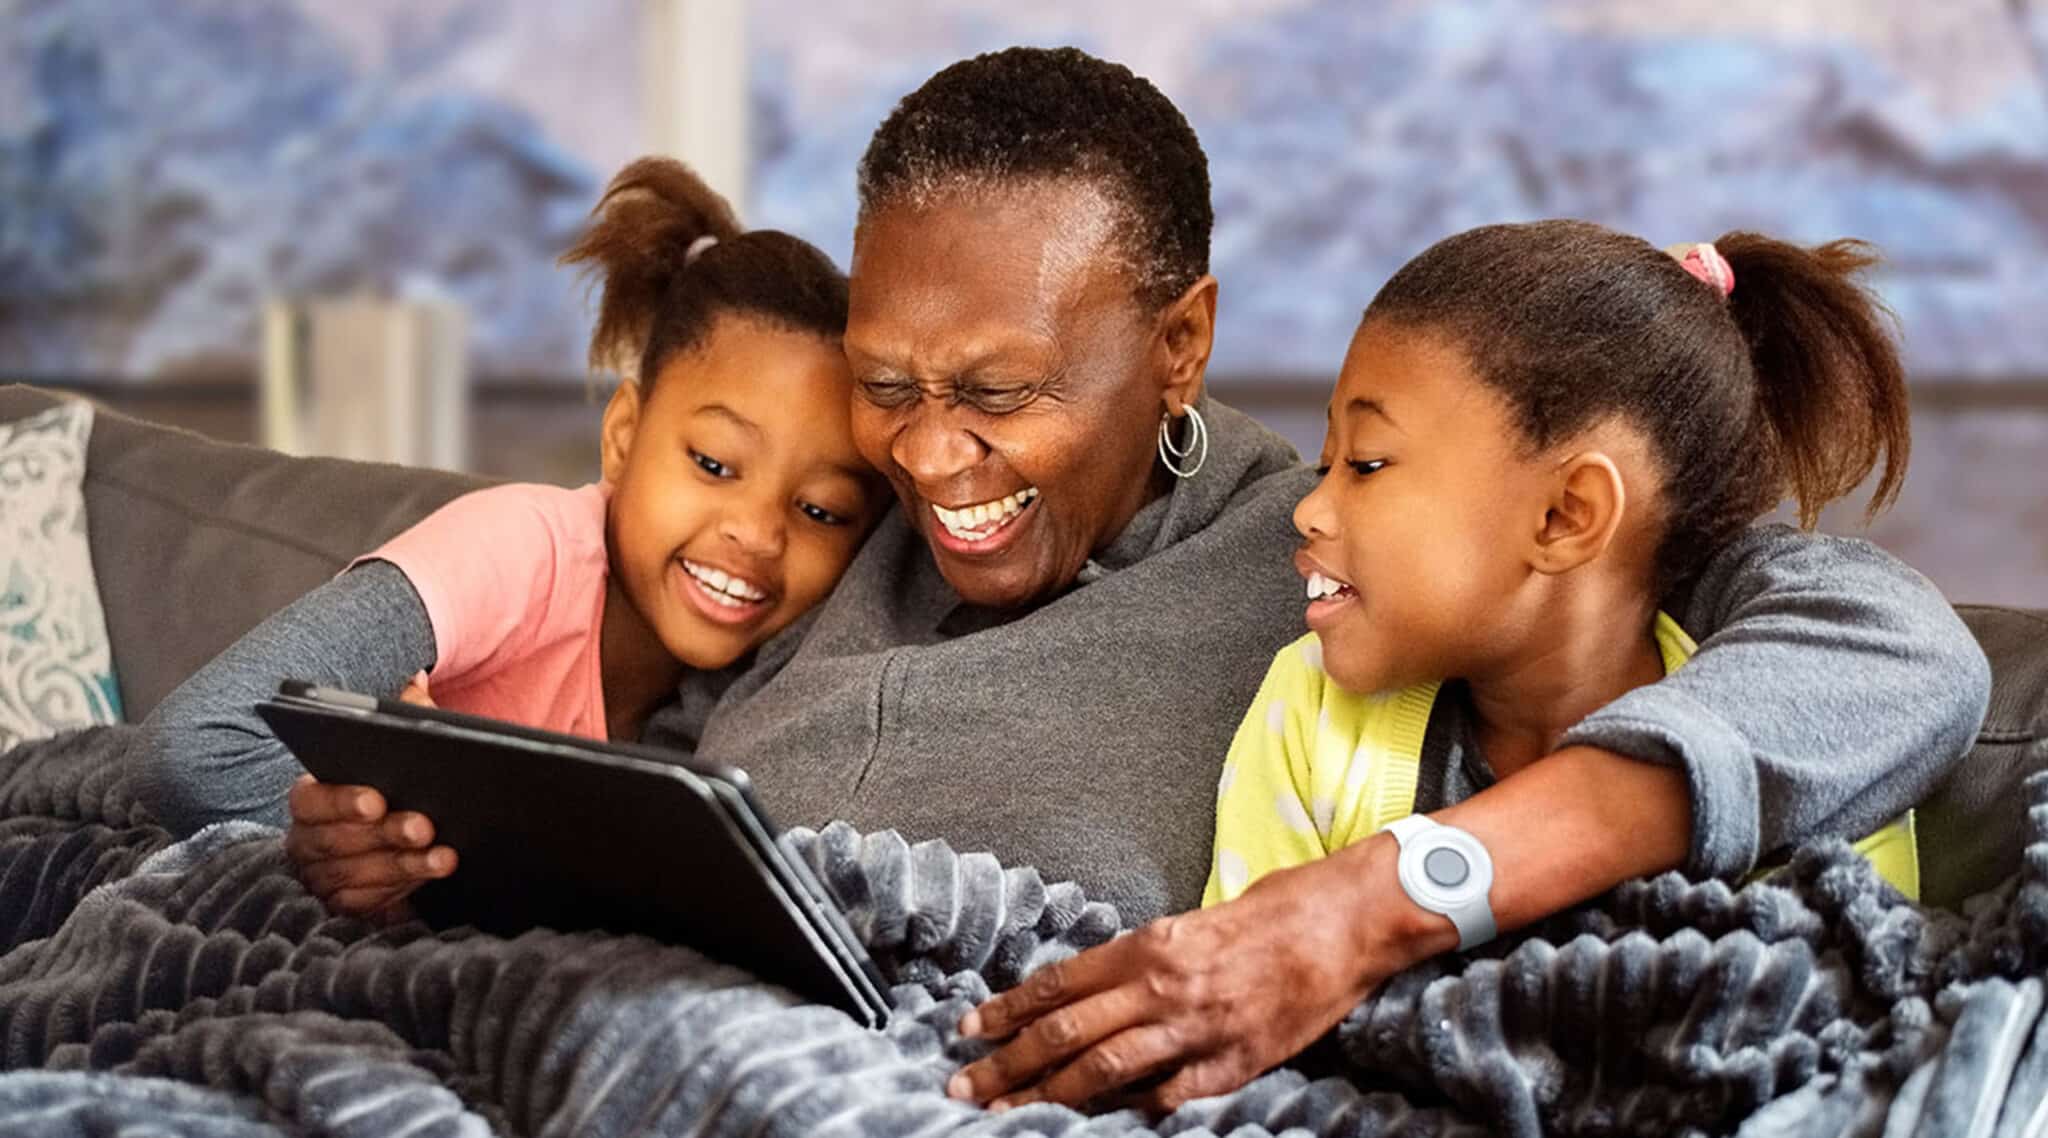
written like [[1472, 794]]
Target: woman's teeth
[[979, 523], [1320, 586], [724, 588]]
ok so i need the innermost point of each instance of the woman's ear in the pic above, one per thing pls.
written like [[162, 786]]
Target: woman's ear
[[621, 423], [1583, 513], [1187, 334]]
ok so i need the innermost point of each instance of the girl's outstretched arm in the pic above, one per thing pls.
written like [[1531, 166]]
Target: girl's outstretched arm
[[209, 757]]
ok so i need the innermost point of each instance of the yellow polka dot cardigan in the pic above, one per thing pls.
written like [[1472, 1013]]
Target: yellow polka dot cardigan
[[1315, 768]]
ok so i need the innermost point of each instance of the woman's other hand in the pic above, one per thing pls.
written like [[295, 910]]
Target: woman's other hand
[[1204, 1001], [356, 856]]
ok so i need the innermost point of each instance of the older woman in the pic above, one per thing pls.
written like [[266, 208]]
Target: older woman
[[1045, 650]]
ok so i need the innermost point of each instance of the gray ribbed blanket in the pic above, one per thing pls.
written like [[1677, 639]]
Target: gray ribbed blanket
[[194, 988]]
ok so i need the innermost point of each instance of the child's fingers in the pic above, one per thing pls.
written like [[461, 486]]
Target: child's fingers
[[316, 803]]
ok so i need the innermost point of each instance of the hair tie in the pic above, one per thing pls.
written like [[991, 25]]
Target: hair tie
[[1704, 261], [697, 248]]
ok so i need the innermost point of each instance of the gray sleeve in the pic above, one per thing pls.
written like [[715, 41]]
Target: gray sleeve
[[207, 756], [1834, 686]]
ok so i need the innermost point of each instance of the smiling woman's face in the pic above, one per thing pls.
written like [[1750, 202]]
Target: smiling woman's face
[[1008, 382]]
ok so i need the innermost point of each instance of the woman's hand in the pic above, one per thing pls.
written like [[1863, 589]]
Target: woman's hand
[[355, 856], [1207, 1000], [352, 854]]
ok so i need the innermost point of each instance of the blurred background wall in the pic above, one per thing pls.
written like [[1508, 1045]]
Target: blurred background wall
[[169, 168]]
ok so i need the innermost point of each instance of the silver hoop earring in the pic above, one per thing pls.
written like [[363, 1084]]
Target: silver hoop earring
[[1197, 444]]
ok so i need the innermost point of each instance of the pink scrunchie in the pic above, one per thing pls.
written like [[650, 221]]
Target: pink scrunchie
[[1706, 262]]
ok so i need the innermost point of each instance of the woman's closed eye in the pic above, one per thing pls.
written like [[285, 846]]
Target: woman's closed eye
[[996, 398], [710, 465], [888, 391]]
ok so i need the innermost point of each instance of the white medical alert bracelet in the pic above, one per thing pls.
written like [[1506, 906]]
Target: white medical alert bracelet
[[1445, 870]]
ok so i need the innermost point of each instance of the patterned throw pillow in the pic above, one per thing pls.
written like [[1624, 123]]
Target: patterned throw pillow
[[56, 669]]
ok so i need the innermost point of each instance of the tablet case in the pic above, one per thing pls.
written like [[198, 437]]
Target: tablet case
[[565, 833]]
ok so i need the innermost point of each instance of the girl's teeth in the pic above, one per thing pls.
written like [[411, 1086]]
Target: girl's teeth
[[723, 587], [1320, 586]]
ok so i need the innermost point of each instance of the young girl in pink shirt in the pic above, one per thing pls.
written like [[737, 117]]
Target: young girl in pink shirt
[[732, 499]]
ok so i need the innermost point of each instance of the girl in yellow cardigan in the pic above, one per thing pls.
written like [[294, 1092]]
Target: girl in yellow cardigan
[[1540, 433]]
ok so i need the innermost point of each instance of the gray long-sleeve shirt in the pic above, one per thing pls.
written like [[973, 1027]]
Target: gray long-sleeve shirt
[[209, 757], [1832, 689]]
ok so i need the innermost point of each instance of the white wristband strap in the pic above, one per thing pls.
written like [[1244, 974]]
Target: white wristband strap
[[1445, 870]]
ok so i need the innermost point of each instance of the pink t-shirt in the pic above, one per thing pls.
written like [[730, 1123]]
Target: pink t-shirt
[[513, 578]]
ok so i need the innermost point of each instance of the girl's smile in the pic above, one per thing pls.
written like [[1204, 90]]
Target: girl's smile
[[1329, 596], [720, 596]]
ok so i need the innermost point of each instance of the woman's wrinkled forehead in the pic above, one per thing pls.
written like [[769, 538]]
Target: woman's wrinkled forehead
[[1089, 204], [1025, 259]]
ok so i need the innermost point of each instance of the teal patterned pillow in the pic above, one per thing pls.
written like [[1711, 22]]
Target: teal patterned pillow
[[56, 670]]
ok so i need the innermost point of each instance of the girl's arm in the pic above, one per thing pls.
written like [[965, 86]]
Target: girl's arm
[[462, 590], [208, 756]]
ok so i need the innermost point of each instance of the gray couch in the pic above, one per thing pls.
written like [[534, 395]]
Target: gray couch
[[196, 541]]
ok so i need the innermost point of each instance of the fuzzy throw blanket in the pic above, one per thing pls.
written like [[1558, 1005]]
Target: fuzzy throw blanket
[[196, 989]]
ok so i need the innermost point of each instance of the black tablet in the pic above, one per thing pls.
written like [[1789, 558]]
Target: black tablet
[[553, 831]]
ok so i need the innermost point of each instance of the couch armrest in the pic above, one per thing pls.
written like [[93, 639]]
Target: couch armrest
[[1972, 827]]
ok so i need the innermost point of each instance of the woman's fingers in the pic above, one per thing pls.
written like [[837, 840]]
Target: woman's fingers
[[310, 843], [365, 902], [314, 803], [382, 869], [354, 856], [1219, 1074], [1110, 1065], [1053, 986], [306, 844], [1050, 1041], [385, 905]]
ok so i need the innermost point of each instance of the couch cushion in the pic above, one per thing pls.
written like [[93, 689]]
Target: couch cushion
[[1971, 828], [56, 673], [195, 541]]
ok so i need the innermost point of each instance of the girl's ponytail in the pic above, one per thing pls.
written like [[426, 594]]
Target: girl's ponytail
[[645, 225], [1831, 391], [670, 256]]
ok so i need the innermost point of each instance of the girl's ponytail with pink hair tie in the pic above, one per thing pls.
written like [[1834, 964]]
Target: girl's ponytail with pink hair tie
[[1706, 262]]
